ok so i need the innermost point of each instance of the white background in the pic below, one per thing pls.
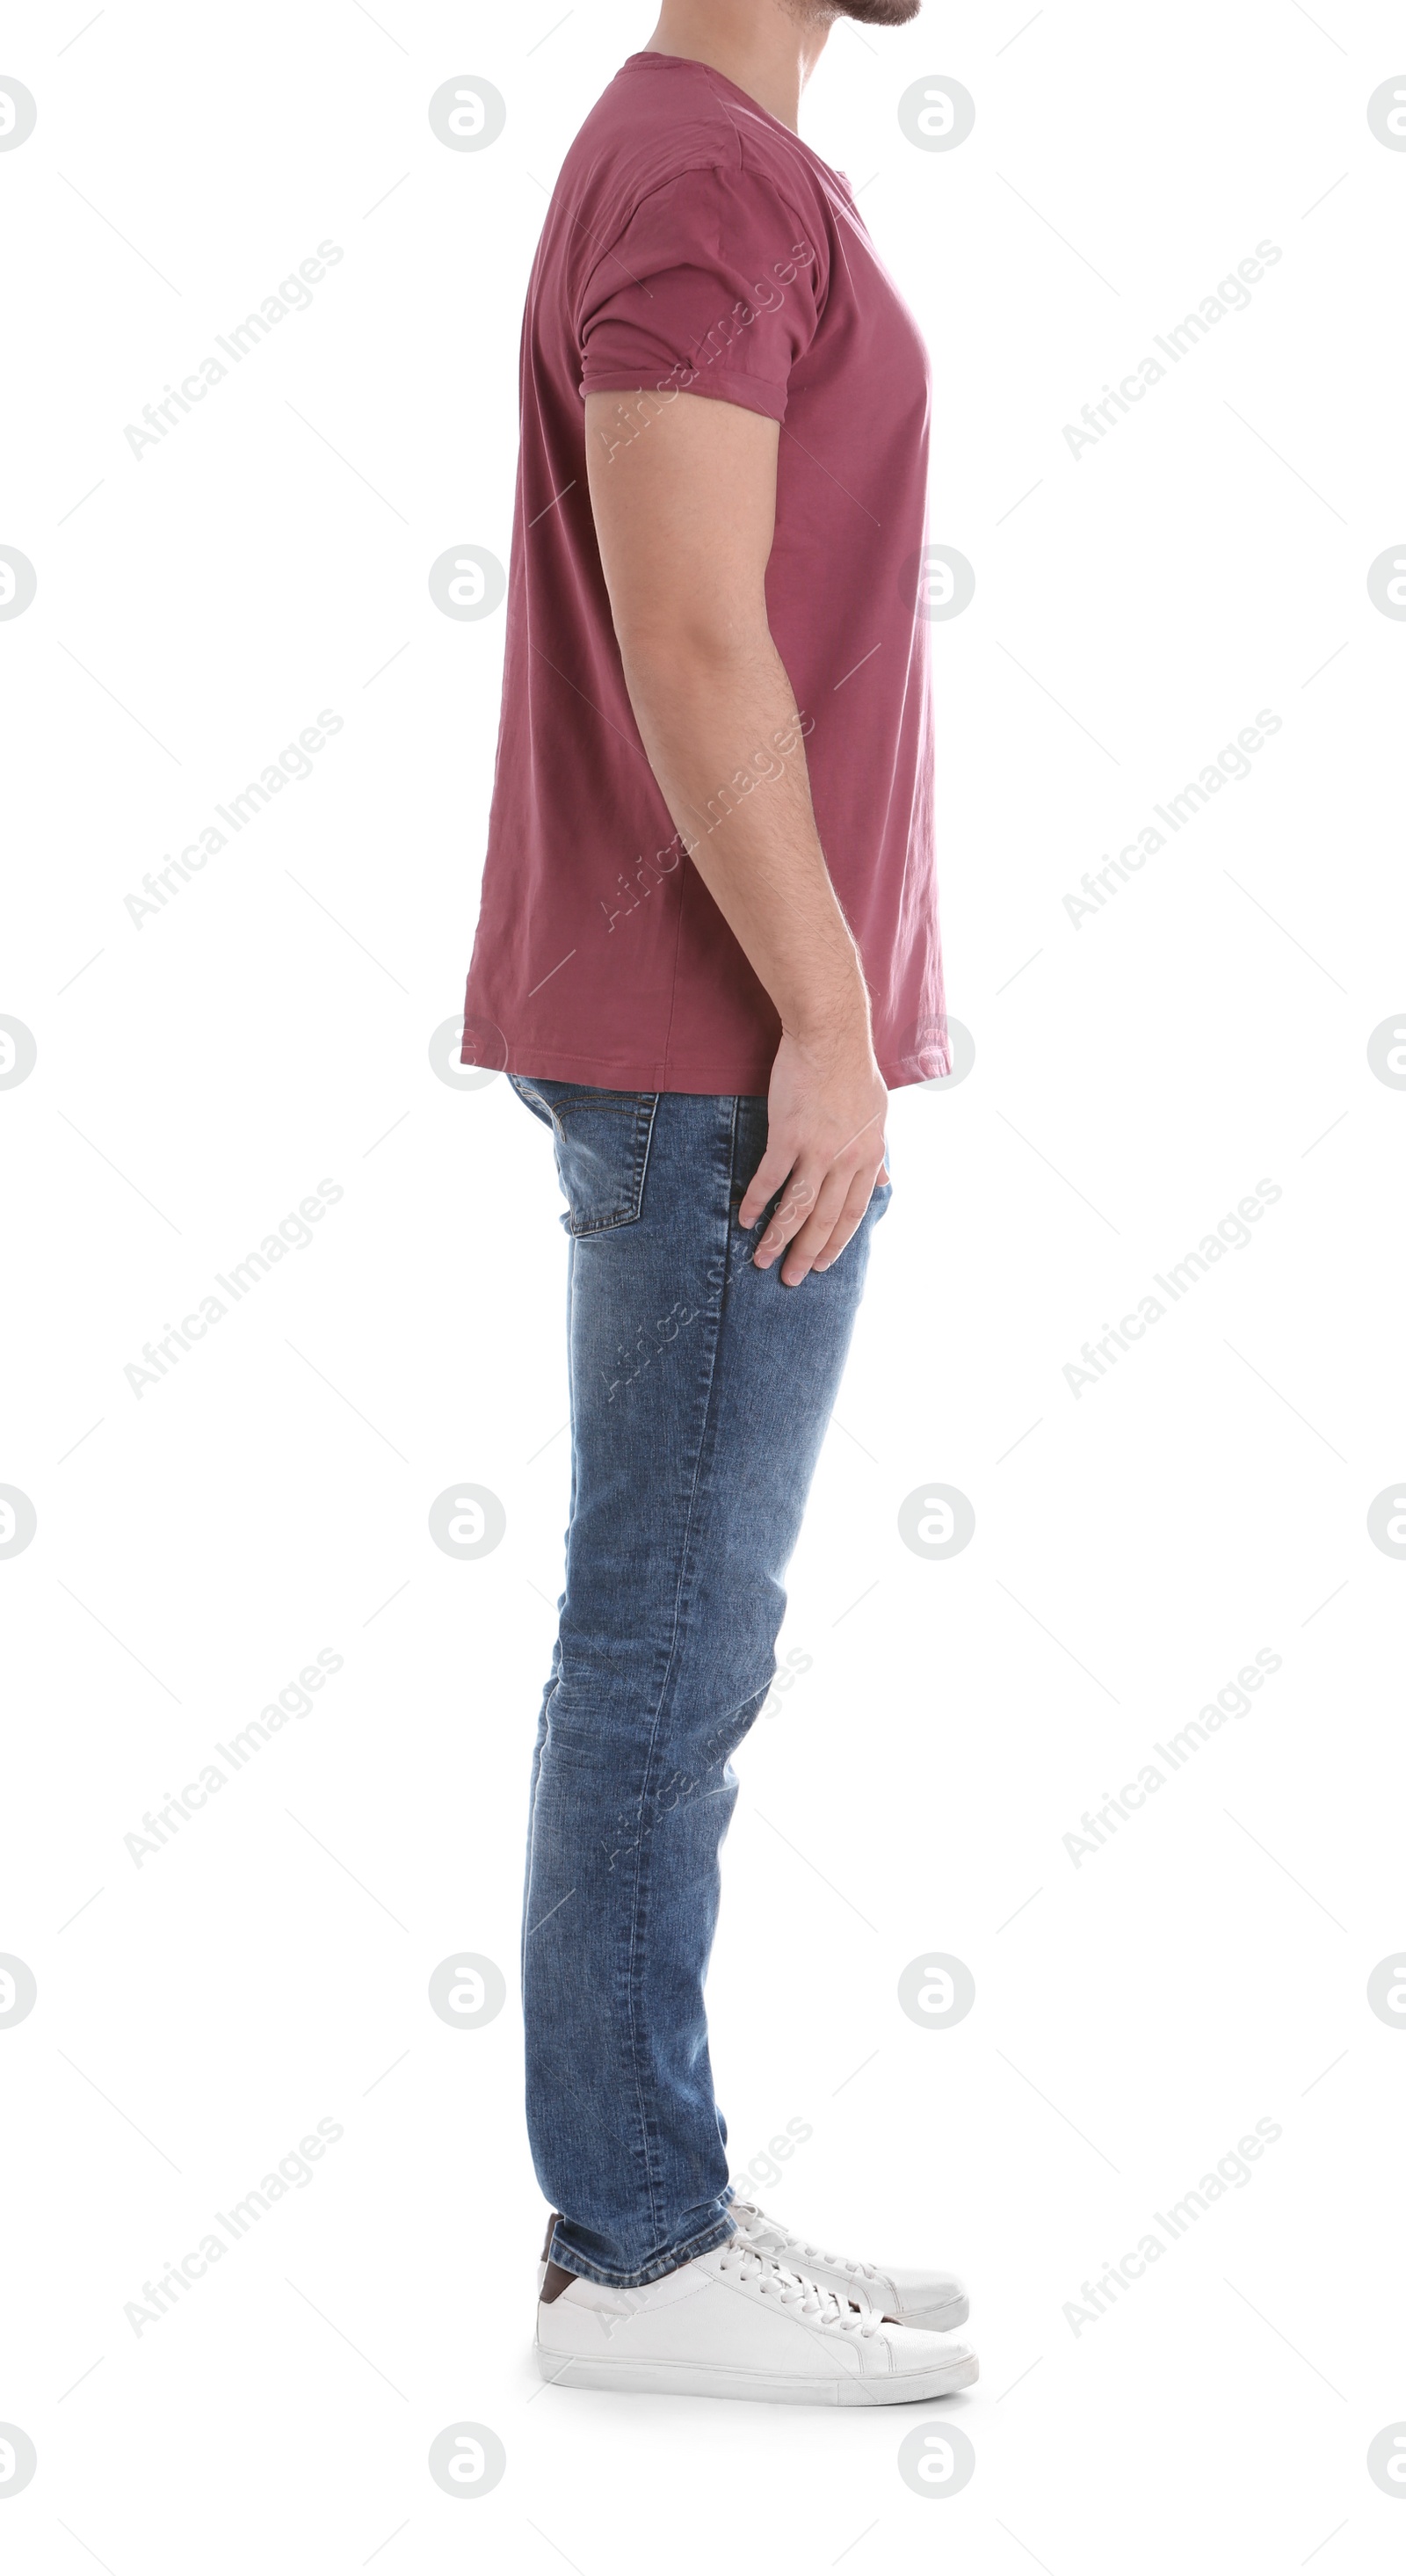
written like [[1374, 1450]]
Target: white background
[[1135, 1545]]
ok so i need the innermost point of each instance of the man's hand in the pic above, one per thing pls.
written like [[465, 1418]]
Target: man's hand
[[825, 1150]]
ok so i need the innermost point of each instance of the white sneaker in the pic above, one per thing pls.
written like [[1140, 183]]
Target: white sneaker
[[936, 2301], [735, 2323]]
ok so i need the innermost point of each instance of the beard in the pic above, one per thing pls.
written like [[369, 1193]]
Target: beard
[[875, 13], [866, 13]]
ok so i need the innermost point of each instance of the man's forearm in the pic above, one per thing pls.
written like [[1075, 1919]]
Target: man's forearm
[[724, 737]]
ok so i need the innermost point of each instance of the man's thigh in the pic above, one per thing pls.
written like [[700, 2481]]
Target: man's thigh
[[701, 1389]]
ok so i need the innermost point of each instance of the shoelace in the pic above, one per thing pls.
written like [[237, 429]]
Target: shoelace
[[771, 2279], [756, 2225]]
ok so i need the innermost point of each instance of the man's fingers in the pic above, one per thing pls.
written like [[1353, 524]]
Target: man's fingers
[[766, 1180], [850, 1219], [794, 1208], [819, 1225], [819, 1205]]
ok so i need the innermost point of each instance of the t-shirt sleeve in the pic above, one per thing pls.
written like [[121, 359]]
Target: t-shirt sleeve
[[714, 287]]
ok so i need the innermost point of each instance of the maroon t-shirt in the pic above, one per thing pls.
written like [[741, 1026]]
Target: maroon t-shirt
[[695, 244]]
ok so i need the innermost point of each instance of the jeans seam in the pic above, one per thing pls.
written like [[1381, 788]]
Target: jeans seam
[[554, 1676], [637, 1891]]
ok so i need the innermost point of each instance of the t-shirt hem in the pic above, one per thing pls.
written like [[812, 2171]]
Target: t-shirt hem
[[734, 1077], [748, 392], [602, 1073]]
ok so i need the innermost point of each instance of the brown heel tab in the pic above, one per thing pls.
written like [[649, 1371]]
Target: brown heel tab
[[556, 2281]]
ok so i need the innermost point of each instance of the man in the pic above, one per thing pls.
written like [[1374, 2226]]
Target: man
[[707, 947]]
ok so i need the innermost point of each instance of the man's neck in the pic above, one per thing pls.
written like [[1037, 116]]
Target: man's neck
[[759, 44]]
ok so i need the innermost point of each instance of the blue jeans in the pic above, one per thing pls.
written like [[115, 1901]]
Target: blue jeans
[[700, 1393]]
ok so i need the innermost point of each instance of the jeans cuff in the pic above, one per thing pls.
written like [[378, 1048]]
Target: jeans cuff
[[706, 2241]]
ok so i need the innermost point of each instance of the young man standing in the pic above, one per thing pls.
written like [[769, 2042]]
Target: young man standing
[[707, 947]]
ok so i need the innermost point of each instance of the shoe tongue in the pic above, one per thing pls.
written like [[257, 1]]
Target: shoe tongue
[[757, 2227]]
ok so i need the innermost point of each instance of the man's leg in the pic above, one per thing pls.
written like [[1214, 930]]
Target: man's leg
[[700, 1390]]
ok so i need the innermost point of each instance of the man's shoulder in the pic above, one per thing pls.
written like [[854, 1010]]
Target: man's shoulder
[[662, 122]]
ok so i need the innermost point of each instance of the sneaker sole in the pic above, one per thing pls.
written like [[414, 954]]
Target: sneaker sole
[[698, 2379]]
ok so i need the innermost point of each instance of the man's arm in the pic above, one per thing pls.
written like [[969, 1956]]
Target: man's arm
[[684, 496]]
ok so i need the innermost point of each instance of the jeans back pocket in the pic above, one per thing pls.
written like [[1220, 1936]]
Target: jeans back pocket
[[601, 1139]]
